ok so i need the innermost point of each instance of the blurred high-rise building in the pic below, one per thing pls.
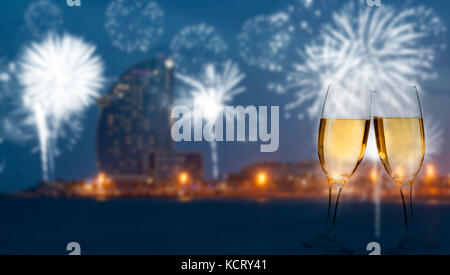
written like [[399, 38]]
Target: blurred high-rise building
[[134, 122]]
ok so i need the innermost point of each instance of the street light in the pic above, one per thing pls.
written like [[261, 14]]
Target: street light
[[183, 178], [373, 176], [261, 179], [430, 172], [101, 179]]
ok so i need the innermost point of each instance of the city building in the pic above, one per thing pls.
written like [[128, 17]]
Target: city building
[[134, 143], [168, 166]]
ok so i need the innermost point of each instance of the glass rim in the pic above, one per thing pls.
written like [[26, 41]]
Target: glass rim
[[347, 117], [398, 117], [352, 87], [405, 87]]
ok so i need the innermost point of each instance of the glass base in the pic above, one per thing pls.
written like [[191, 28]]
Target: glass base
[[413, 244], [327, 243]]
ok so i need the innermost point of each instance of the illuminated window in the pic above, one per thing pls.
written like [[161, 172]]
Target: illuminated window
[[110, 120]]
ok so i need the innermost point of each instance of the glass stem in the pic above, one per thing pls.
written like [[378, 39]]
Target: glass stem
[[336, 207], [404, 209], [411, 204], [329, 204]]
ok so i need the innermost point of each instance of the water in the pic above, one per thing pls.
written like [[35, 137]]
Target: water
[[45, 226]]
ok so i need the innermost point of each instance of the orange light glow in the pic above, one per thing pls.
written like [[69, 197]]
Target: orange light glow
[[183, 178], [373, 176], [261, 179], [87, 187], [433, 191], [101, 180], [430, 171]]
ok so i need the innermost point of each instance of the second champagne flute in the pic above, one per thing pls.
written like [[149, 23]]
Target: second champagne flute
[[401, 145]]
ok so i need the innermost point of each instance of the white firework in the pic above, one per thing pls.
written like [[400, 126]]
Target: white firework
[[134, 25], [61, 76], [368, 48], [306, 14], [434, 137], [323, 63], [307, 3], [265, 39], [42, 17], [12, 114], [6, 75], [12, 127], [210, 93], [196, 45]]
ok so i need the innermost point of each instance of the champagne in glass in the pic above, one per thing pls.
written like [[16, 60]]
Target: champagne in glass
[[401, 147], [343, 133], [342, 143]]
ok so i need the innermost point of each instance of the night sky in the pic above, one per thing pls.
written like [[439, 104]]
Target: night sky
[[296, 136]]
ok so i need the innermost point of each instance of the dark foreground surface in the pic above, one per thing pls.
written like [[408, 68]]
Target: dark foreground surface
[[45, 226]]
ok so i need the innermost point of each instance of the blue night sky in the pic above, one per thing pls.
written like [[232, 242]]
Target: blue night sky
[[296, 136]]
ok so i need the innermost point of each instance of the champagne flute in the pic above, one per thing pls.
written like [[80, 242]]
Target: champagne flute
[[343, 132], [400, 136]]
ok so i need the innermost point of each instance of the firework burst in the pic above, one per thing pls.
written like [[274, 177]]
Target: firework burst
[[305, 14], [210, 93], [196, 45], [434, 137], [264, 40], [12, 126], [61, 77], [6, 82], [135, 26], [365, 47], [42, 17]]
